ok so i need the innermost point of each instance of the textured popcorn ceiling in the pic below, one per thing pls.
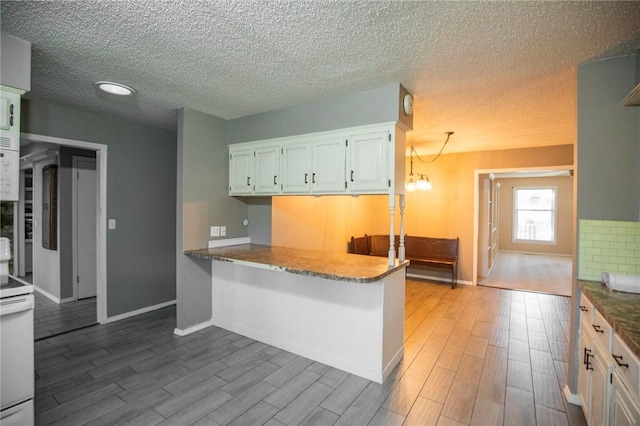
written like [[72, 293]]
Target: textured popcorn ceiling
[[499, 74]]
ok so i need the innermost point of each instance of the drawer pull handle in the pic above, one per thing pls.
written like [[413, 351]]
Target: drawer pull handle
[[597, 328], [586, 358], [306, 178], [274, 179], [618, 359], [584, 308]]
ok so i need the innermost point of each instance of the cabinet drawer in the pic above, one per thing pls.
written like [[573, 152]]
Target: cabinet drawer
[[603, 331], [626, 363], [586, 308]]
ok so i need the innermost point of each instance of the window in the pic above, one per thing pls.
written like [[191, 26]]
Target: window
[[534, 215]]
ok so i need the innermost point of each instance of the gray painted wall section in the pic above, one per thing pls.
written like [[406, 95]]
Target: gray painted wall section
[[203, 200], [378, 105], [260, 220], [65, 215], [608, 141], [141, 194]]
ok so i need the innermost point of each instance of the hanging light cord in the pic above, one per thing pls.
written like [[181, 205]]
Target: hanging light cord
[[413, 150]]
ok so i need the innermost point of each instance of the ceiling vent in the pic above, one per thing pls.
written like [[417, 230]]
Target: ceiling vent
[[633, 98]]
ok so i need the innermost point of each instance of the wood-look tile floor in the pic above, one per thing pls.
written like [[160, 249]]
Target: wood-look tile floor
[[52, 318], [531, 272], [473, 355]]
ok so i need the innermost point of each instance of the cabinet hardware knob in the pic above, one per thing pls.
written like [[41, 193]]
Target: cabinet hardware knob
[[351, 175], [584, 308], [274, 180], [597, 328], [306, 178], [618, 359], [248, 180], [313, 178]]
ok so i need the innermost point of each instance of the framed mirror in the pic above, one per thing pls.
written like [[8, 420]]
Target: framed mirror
[[50, 207]]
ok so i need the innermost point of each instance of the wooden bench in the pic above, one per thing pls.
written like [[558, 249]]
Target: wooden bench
[[420, 251]]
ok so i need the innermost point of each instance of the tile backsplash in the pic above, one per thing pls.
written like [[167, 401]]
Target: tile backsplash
[[608, 246]]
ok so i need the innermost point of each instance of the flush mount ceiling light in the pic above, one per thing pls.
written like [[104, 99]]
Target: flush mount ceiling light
[[115, 88]]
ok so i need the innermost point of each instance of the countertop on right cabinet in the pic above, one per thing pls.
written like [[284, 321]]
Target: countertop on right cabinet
[[621, 310]]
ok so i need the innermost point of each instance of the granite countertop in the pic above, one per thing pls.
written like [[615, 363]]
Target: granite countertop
[[621, 310], [333, 266]]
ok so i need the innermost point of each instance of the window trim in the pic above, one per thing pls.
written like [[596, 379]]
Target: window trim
[[554, 215]]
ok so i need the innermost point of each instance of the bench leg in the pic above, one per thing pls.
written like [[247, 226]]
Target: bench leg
[[453, 278]]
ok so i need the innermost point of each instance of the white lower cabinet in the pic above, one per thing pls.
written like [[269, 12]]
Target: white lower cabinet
[[593, 376], [624, 404], [608, 381]]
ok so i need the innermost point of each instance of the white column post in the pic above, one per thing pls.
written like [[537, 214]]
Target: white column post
[[401, 245], [392, 248]]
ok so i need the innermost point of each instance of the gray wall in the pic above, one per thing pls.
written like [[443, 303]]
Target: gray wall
[[379, 105], [608, 141], [141, 194], [202, 201], [65, 216]]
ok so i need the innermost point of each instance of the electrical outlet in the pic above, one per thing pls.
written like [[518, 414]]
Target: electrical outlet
[[112, 224], [215, 231], [223, 231]]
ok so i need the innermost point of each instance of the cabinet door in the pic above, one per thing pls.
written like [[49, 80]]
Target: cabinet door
[[369, 169], [240, 168], [584, 369], [267, 170], [624, 406], [296, 168], [600, 389], [9, 120], [328, 173]]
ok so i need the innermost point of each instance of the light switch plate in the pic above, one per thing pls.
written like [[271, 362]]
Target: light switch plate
[[215, 231], [223, 231], [112, 224]]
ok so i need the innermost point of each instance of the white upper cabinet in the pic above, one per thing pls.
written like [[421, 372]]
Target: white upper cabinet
[[328, 173], [369, 164], [362, 160], [296, 168], [267, 170], [240, 171]]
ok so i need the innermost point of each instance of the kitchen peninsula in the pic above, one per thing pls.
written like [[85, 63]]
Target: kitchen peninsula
[[340, 309]]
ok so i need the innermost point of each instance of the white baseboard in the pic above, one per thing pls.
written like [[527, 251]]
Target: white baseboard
[[571, 398], [193, 328], [67, 300], [47, 294], [228, 242], [140, 311], [439, 279]]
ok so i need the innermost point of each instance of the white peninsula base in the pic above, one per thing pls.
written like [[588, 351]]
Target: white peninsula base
[[353, 326]]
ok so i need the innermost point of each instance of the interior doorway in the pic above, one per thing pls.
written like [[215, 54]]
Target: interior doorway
[[95, 249], [503, 259]]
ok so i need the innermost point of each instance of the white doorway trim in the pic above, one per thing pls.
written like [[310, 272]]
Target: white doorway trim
[[476, 202], [101, 228], [75, 159]]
